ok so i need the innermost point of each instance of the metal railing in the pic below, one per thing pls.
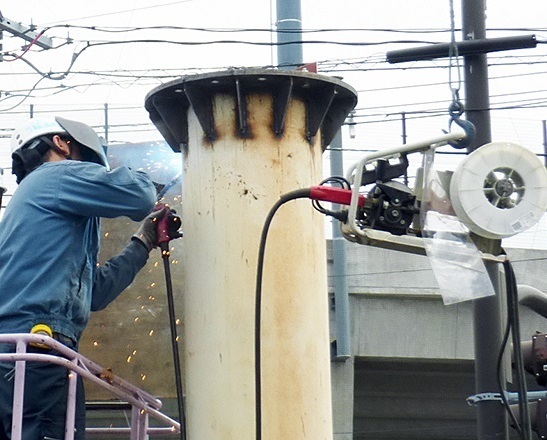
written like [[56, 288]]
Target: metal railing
[[143, 404]]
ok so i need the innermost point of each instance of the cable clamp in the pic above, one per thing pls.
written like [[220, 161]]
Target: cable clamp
[[483, 397]]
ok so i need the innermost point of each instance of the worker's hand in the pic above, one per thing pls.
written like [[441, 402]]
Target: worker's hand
[[147, 233], [169, 227]]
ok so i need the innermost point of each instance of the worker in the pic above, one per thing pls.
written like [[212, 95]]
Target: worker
[[49, 243]]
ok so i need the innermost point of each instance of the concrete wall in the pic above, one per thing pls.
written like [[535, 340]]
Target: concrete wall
[[397, 310], [397, 318]]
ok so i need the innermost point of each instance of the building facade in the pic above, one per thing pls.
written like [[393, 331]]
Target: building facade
[[411, 367]]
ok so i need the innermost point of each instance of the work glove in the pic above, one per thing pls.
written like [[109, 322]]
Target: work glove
[[160, 226], [169, 227]]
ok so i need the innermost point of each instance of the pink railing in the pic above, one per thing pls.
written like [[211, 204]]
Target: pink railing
[[143, 404]]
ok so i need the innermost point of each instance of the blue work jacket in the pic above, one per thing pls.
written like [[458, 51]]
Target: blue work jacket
[[49, 243]]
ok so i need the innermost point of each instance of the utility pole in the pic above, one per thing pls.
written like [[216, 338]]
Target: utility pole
[[487, 321], [289, 34], [491, 416]]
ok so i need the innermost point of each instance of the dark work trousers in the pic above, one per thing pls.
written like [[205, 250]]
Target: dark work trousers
[[45, 400]]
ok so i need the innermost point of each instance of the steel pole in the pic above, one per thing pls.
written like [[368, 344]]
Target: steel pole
[[491, 416], [289, 34], [339, 264], [249, 136]]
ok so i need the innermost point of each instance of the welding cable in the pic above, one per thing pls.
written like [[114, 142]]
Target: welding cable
[[167, 229], [325, 193], [164, 247], [512, 328], [344, 184], [503, 396], [513, 317], [293, 195]]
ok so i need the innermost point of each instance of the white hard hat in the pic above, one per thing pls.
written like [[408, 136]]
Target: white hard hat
[[82, 133], [32, 129]]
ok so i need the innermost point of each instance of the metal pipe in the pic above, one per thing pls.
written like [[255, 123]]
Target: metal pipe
[[18, 393], [71, 405], [476, 46], [76, 364], [339, 262], [289, 34]]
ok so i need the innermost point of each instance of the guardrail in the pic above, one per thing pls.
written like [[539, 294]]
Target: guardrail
[[143, 404]]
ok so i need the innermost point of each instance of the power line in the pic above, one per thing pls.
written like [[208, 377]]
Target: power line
[[109, 14]]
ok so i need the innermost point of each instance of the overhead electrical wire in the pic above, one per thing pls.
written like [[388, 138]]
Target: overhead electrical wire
[[134, 77], [327, 66], [439, 83], [132, 10], [115, 29], [376, 61], [153, 74]]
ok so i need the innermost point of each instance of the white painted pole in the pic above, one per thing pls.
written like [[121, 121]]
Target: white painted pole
[[248, 137], [229, 187]]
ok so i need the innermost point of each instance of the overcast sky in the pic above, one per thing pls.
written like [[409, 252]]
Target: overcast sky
[[361, 65]]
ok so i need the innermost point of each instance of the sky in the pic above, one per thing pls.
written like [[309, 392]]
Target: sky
[[100, 58], [362, 66]]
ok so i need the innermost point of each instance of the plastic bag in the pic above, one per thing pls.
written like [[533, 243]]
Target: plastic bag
[[455, 260]]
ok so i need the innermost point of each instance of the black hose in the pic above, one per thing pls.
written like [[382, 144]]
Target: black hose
[[297, 194], [513, 317], [164, 247], [500, 377]]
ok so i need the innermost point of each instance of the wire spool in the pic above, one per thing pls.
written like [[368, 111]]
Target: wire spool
[[499, 190]]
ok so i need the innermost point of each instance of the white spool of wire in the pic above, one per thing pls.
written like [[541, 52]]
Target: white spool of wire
[[499, 190]]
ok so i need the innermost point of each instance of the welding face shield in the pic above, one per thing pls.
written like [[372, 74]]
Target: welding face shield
[[85, 136]]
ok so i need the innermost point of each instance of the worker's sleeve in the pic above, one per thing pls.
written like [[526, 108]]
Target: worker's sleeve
[[90, 190], [117, 273]]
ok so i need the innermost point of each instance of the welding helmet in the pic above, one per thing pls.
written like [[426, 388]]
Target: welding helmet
[[32, 140]]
